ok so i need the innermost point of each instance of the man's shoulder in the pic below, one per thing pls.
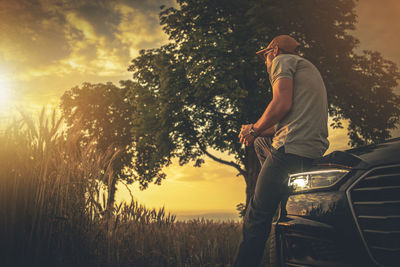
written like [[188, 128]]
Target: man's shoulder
[[285, 59], [291, 58], [295, 61], [288, 56]]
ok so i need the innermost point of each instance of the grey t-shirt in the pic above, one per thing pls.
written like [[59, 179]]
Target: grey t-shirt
[[304, 130]]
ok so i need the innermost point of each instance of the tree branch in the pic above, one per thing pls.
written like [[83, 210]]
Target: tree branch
[[229, 163]]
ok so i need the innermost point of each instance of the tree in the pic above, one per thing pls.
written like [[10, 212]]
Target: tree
[[208, 81], [102, 116], [194, 93]]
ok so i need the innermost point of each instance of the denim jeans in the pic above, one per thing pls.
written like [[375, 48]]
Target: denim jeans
[[271, 188]]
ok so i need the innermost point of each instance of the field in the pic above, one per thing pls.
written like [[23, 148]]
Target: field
[[53, 209]]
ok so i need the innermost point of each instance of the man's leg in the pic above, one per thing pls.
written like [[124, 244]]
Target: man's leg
[[270, 189], [262, 146]]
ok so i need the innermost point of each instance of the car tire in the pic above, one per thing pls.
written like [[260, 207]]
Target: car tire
[[273, 251]]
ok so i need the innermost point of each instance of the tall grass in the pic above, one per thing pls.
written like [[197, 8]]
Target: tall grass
[[53, 209]]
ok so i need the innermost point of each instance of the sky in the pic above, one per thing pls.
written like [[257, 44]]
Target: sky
[[50, 46]]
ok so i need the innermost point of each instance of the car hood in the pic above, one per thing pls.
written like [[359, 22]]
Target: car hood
[[385, 153]]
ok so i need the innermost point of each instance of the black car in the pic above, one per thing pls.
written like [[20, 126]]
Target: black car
[[345, 211]]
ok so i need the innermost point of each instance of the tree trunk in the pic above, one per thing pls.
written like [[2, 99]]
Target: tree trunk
[[250, 173], [252, 169], [112, 188]]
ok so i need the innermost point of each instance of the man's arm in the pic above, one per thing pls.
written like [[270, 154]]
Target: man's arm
[[247, 139], [268, 132], [279, 106]]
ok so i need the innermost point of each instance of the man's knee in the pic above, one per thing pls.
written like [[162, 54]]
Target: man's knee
[[261, 145], [258, 143]]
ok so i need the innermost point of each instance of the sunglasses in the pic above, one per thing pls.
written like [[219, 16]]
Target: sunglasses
[[263, 53]]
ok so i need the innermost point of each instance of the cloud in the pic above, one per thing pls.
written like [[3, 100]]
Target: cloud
[[135, 28], [378, 26], [30, 35], [49, 46], [43, 37]]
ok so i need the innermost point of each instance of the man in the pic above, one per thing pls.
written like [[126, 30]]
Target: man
[[296, 121]]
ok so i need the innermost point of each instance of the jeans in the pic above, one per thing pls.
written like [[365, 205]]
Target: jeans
[[271, 188]]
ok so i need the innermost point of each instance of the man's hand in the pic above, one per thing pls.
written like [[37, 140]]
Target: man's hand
[[245, 136]]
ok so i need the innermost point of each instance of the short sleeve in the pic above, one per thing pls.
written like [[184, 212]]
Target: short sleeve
[[283, 66]]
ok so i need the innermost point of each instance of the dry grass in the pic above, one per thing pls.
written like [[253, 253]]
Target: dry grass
[[53, 211]]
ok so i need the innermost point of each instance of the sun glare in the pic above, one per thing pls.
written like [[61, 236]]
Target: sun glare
[[5, 93]]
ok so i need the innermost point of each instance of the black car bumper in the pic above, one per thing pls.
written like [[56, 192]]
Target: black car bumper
[[355, 224]]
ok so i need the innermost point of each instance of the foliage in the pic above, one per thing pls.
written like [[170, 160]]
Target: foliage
[[103, 115], [100, 113]]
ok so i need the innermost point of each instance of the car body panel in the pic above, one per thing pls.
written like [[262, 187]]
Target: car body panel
[[385, 153], [366, 157], [319, 227]]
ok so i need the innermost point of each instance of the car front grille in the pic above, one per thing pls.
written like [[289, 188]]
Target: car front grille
[[375, 202]]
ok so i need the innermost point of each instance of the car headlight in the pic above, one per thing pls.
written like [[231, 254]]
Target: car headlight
[[315, 179]]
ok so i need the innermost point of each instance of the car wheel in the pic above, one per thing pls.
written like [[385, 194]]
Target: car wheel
[[273, 251]]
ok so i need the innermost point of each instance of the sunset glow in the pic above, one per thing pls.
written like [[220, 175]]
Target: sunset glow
[[53, 46], [140, 133], [5, 93]]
